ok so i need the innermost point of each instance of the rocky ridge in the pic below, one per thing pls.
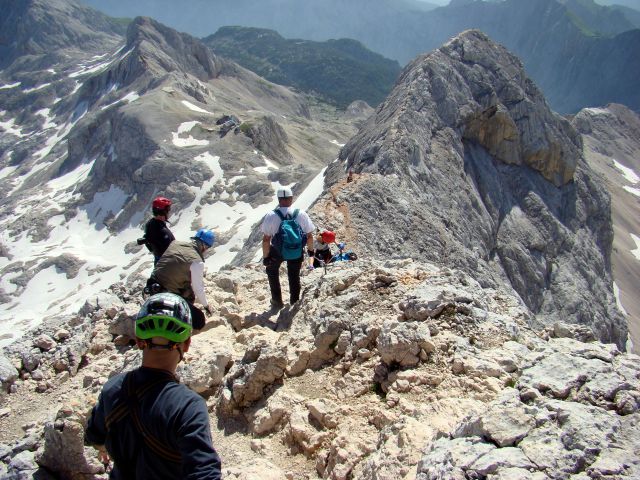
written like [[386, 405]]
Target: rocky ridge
[[378, 363], [37, 30], [611, 138], [487, 179]]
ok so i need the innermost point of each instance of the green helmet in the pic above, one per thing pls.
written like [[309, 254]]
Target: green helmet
[[164, 315]]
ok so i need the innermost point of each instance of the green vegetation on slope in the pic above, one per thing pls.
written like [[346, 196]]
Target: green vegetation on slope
[[596, 20], [339, 71]]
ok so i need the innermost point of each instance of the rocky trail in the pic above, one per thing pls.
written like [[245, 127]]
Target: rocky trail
[[383, 370]]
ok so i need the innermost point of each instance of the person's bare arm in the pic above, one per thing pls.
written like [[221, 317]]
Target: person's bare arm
[[266, 244]]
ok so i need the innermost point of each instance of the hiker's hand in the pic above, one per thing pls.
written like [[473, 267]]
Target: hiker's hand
[[103, 455], [208, 310]]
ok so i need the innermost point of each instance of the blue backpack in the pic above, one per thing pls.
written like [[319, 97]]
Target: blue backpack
[[288, 241]]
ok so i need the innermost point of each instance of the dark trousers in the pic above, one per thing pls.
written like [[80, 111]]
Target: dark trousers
[[322, 257], [197, 317], [293, 272]]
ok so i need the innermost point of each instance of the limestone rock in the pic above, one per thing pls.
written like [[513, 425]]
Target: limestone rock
[[400, 342], [496, 183], [63, 450]]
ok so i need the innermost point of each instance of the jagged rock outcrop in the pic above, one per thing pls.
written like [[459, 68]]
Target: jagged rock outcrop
[[465, 164], [565, 417], [270, 138]]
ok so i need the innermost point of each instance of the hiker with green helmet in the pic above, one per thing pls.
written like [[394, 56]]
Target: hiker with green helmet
[[180, 270], [285, 233], [152, 426]]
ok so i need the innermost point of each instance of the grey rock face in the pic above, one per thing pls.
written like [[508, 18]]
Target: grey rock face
[[39, 27], [8, 374], [465, 164], [611, 137], [561, 419], [269, 137], [165, 49]]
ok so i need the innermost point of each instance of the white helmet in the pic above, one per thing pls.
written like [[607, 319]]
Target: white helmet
[[285, 192]]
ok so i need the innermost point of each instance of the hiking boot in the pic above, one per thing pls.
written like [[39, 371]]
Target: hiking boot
[[276, 305]]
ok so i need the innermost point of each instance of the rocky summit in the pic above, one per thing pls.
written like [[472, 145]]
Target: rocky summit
[[465, 164]]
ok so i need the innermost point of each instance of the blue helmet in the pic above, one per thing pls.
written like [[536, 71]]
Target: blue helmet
[[205, 236]]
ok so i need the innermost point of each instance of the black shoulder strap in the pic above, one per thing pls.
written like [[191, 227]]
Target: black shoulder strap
[[130, 406], [279, 213]]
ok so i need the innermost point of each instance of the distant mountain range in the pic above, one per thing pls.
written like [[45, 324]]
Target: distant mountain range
[[635, 4], [579, 53], [340, 71]]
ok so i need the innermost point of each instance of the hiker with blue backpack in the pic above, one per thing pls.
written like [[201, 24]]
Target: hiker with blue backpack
[[285, 231]]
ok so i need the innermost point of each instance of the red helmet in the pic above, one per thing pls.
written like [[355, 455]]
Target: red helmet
[[328, 236], [161, 204]]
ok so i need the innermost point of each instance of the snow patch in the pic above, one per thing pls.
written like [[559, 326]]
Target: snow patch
[[636, 251], [8, 127], [129, 97], [616, 292], [74, 178], [47, 118], [34, 89], [84, 236], [6, 171], [88, 69], [189, 141], [11, 85], [634, 191], [62, 131], [195, 108], [628, 173], [335, 142], [269, 165]]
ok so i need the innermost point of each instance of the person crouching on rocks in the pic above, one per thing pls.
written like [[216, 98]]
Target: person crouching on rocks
[[180, 270], [151, 425], [322, 247]]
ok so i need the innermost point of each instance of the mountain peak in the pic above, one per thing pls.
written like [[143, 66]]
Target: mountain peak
[[480, 90], [39, 27], [163, 49], [465, 164]]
